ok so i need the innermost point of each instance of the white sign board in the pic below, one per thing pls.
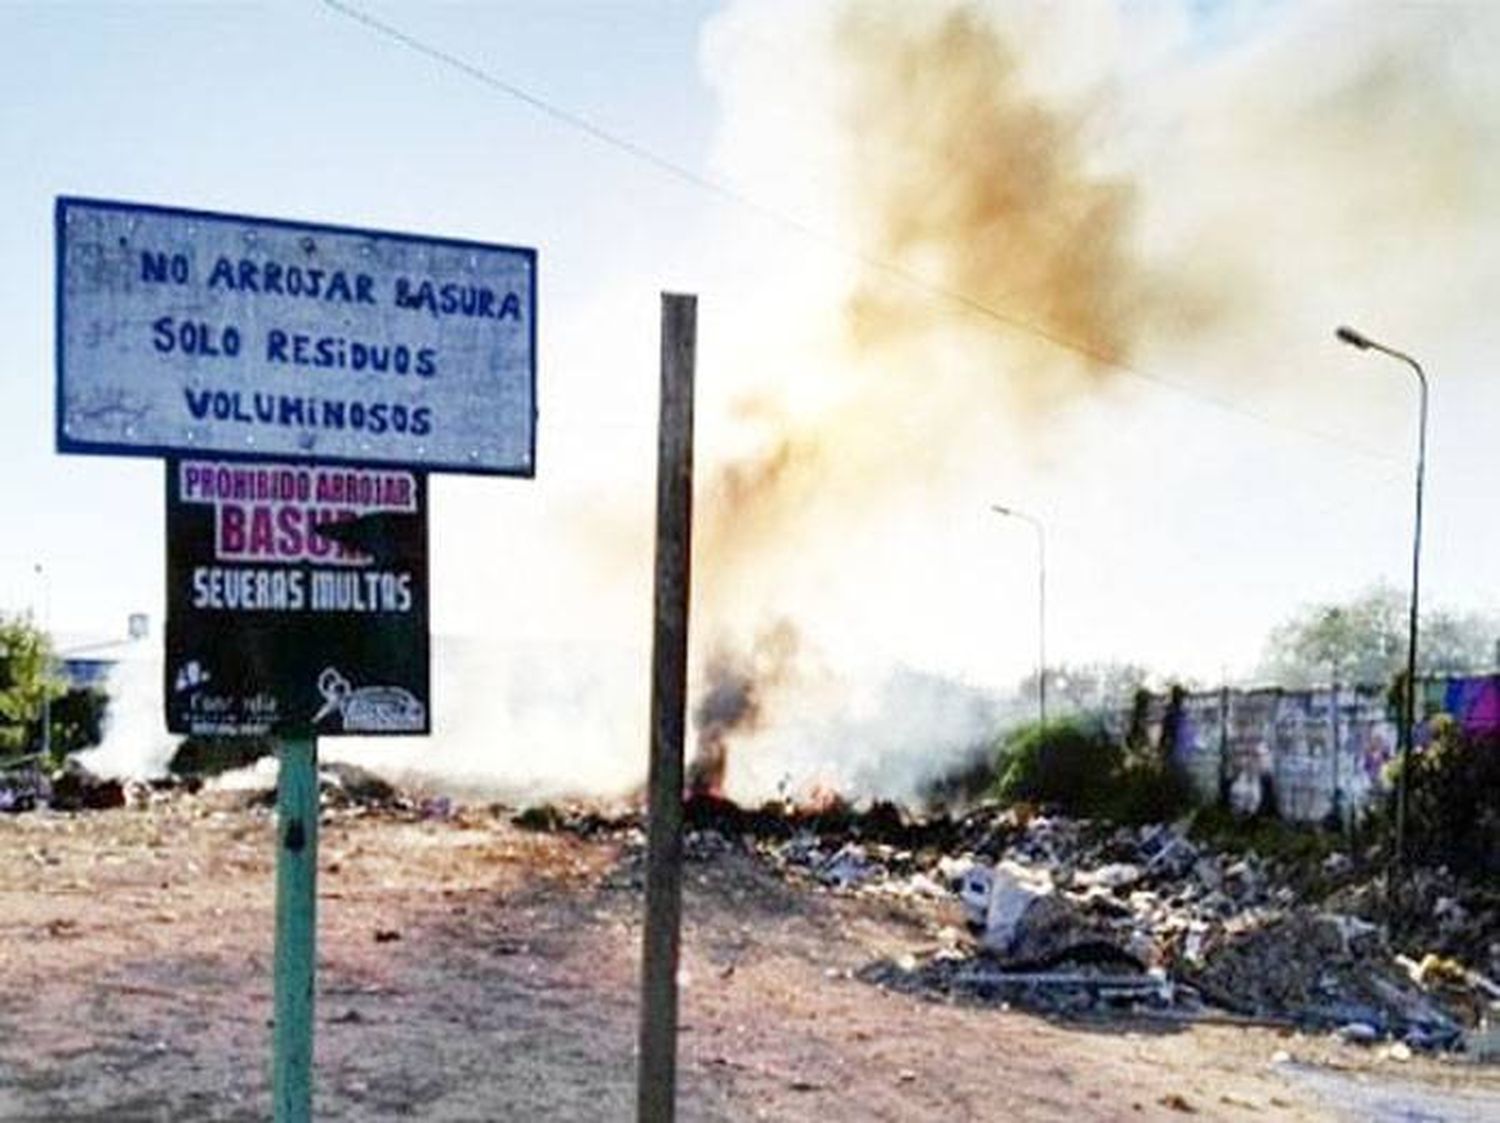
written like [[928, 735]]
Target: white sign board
[[189, 333]]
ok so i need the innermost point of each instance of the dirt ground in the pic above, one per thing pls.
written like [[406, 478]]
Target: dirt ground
[[469, 970]]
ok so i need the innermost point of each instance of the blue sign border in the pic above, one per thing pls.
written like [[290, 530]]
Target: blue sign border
[[66, 444]]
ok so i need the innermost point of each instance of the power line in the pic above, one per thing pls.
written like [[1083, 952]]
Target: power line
[[899, 272]]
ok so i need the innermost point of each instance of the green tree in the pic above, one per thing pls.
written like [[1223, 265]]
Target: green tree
[[28, 681], [1364, 640]]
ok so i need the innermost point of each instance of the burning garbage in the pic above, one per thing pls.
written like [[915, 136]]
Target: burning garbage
[[1062, 915], [733, 701]]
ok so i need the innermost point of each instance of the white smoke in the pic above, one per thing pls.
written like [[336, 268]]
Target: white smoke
[[885, 733], [1231, 181], [520, 721], [545, 720], [135, 741]]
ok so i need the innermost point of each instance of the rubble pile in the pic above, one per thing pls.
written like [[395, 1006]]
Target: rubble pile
[[348, 791], [1078, 918], [1074, 917], [343, 789], [1065, 916], [1329, 971], [26, 786], [1151, 893], [1075, 993]]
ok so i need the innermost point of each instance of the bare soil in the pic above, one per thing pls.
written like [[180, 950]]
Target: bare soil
[[469, 970]]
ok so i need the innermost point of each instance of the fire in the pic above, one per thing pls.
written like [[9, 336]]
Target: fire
[[822, 800]]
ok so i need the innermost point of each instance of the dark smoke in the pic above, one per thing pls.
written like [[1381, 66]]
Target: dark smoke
[[735, 685]]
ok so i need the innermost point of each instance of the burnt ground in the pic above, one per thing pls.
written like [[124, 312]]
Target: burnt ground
[[469, 970]]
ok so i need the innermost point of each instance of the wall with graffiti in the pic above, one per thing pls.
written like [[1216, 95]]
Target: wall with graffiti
[[1306, 755]]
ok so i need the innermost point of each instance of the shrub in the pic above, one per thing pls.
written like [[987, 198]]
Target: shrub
[[1065, 763], [1081, 770], [1149, 792], [1453, 801], [77, 721]]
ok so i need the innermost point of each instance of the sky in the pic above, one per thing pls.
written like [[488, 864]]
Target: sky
[[1082, 260]]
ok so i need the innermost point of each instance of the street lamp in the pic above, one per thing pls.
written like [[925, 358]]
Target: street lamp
[[1408, 718], [1041, 604], [41, 574]]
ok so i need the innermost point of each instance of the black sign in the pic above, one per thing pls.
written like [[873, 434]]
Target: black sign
[[296, 599]]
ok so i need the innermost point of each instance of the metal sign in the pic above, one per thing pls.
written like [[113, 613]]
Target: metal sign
[[296, 599], [197, 334]]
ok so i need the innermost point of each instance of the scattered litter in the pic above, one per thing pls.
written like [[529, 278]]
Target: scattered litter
[[1062, 916], [75, 788]]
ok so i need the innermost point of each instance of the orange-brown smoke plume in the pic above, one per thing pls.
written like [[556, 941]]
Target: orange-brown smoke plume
[[964, 179], [998, 278], [974, 197]]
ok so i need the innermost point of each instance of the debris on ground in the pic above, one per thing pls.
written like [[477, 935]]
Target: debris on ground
[[1063, 916], [26, 785], [1076, 918], [341, 784], [1325, 971], [76, 788], [23, 785]]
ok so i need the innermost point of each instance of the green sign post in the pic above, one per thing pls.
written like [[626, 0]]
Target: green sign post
[[296, 927], [296, 607]]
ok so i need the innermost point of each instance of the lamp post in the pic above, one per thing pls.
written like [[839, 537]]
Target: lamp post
[[1041, 604], [41, 574], [1408, 718]]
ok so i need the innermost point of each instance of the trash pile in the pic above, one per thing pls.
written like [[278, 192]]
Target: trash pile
[[23, 785], [343, 789], [26, 785], [1064, 916], [1071, 917]]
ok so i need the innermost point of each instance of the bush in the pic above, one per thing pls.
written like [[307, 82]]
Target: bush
[[1065, 763], [1149, 792], [1081, 770], [1151, 786], [1453, 801], [77, 722], [1297, 844]]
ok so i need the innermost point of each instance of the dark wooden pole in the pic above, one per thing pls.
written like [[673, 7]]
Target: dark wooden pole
[[656, 1092]]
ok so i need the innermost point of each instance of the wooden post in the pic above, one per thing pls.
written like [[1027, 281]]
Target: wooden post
[[296, 928], [656, 1089]]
